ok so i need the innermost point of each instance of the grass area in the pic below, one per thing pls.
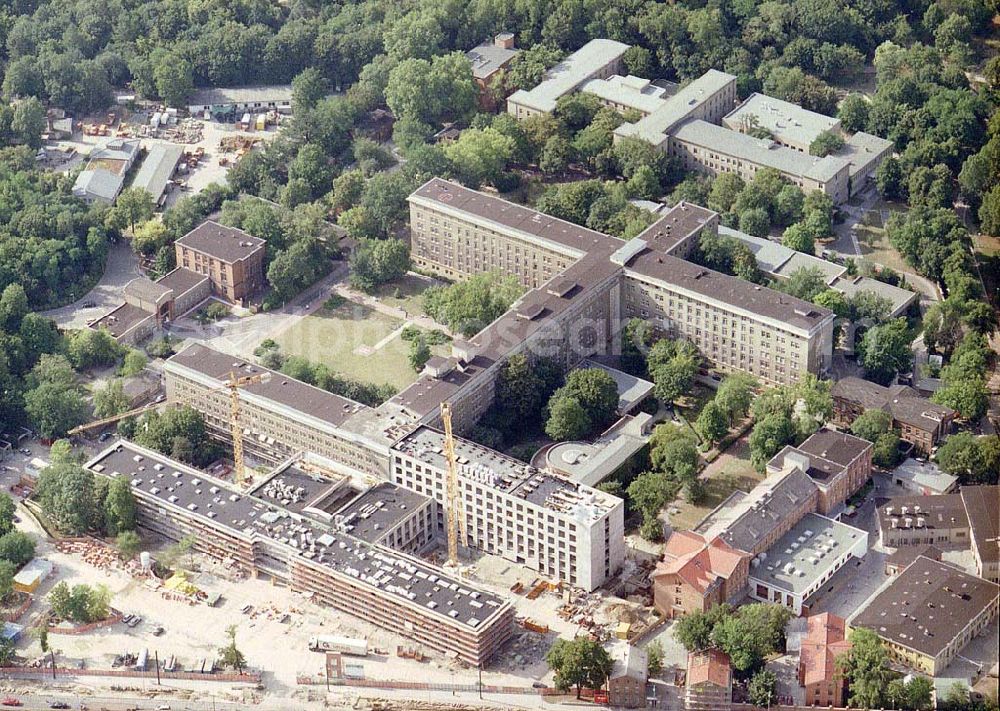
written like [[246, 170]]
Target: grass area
[[729, 472], [692, 403], [406, 293], [355, 340], [874, 242], [986, 245]]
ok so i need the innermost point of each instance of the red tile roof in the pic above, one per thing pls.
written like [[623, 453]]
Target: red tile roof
[[710, 666], [824, 641], [698, 562]]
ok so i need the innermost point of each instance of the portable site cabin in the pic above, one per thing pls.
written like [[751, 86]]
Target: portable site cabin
[[32, 575]]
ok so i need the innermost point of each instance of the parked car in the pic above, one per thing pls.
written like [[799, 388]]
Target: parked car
[[105, 436], [11, 701], [59, 705]]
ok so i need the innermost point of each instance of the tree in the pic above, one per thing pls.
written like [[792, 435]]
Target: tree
[[119, 507], [725, 189], [871, 423], [17, 547], [480, 156], [825, 143], [376, 262], [7, 572], [471, 305], [579, 662], [884, 350], [648, 494], [989, 212], [769, 435], [81, 603], [972, 459], [763, 688], [7, 510], [711, 423], [174, 81], [296, 268], [595, 390], [89, 348], [54, 410], [128, 544], [134, 363], [694, 631], [68, 496], [804, 283], [889, 178], [230, 655], [13, 307], [734, 395], [308, 87], [568, 419], [28, 122], [133, 205], [111, 400], [523, 387], [968, 396], [799, 238], [853, 113], [654, 657], [420, 353], [755, 221], [865, 667]]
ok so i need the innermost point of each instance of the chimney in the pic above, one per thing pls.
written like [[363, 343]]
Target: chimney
[[504, 40]]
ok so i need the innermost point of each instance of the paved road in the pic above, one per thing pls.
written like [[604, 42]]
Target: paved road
[[121, 268]]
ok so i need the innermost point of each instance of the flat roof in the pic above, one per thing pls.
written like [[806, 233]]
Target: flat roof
[[446, 195], [839, 447], [925, 474], [760, 151], [631, 91], [943, 511], [926, 606], [801, 260], [863, 148], [750, 518], [488, 58], [181, 280], [655, 127], [770, 255], [279, 388], [631, 390], [899, 299], [982, 504], [570, 73], [676, 224], [591, 462], [508, 475], [787, 122], [307, 492], [732, 291], [122, 319], [807, 553], [158, 167], [377, 511], [393, 573], [276, 93], [227, 244], [146, 289]]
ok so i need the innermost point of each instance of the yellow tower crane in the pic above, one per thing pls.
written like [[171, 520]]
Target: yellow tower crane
[[233, 385], [453, 495]]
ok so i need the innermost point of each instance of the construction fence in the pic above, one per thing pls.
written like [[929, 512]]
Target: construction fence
[[417, 685], [245, 677]]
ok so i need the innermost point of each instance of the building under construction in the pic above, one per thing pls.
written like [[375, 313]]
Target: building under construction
[[325, 533]]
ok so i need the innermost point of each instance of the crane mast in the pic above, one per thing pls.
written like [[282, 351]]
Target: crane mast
[[454, 497]]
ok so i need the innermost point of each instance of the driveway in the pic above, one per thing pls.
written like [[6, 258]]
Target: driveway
[[121, 268]]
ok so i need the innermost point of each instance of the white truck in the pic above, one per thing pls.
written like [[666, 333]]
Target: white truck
[[343, 645]]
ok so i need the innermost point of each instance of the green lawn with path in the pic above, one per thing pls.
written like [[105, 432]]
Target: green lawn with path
[[731, 471], [354, 340]]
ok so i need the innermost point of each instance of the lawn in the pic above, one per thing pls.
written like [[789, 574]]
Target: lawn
[[406, 293], [731, 471], [875, 244], [356, 341]]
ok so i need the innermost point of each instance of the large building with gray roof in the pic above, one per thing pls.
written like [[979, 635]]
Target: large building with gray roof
[[598, 59], [266, 534], [803, 559], [563, 529]]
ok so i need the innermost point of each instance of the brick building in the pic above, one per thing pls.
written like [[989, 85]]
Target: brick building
[[627, 681], [838, 463], [825, 640], [981, 505], [923, 520], [709, 682], [232, 259], [919, 421], [696, 574]]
